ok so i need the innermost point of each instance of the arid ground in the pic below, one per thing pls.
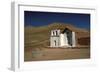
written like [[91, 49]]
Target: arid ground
[[37, 42], [57, 54]]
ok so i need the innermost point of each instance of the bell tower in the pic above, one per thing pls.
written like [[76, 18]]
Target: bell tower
[[55, 38]]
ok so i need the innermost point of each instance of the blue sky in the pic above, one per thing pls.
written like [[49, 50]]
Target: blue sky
[[34, 18]]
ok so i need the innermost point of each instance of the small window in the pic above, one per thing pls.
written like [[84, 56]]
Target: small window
[[53, 32]]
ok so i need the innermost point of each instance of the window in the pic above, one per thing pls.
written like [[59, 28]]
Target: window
[[53, 32]]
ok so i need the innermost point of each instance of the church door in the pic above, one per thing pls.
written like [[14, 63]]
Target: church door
[[55, 42]]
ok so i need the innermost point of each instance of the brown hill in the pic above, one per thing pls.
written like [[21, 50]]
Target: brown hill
[[80, 32], [39, 36]]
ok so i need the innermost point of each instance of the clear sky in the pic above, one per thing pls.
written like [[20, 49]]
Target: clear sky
[[45, 18]]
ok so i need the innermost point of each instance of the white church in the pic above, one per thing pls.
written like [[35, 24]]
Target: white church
[[65, 38]]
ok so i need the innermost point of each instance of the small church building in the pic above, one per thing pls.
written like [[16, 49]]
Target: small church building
[[62, 38]]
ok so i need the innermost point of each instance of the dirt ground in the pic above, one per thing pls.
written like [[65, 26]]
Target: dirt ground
[[56, 54]]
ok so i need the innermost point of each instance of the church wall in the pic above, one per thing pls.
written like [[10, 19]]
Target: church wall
[[73, 39], [66, 39], [63, 40], [54, 41]]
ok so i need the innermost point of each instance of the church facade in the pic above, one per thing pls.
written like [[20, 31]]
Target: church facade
[[62, 38]]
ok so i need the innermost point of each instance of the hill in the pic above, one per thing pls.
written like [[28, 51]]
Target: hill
[[39, 36]]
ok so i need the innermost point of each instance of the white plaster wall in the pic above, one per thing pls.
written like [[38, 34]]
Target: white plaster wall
[[55, 37], [51, 32], [63, 40], [52, 43], [73, 39], [58, 32]]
